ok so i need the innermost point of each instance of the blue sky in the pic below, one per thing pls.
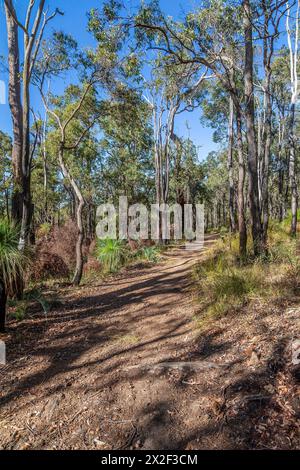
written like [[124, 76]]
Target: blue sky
[[74, 22]]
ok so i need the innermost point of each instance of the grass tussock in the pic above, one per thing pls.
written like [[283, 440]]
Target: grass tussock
[[112, 254], [116, 254], [151, 254], [225, 285], [13, 262]]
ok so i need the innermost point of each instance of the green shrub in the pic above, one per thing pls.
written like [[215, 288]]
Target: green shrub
[[149, 253], [19, 308], [12, 260], [112, 254]]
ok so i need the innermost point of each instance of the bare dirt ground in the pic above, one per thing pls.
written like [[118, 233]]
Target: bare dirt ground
[[120, 364]]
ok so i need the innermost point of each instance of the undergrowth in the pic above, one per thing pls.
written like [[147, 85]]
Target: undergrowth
[[18, 309], [148, 253], [112, 254], [224, 284], [115, 254]]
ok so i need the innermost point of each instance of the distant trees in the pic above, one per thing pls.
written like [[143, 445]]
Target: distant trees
[[169, 92], [112, 130], [77, 107], [126, 150], [227, 49], [74, 117]]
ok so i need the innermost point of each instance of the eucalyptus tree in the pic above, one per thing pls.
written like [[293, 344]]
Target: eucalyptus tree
[[216, 188], [293, 45], [102, 72], [171, 91], [280, 91], [218, 110], [217, 47], [75, 115], [266, 19], [220, 35], [187, 178], [46, 200], [254, 202], [20, 79]]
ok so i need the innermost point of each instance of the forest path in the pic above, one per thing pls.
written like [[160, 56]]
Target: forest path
[[99, 345], [121, 365]]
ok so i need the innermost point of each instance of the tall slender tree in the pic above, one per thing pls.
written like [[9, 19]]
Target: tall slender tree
[[250, 128], [20, 105], [294, 96]]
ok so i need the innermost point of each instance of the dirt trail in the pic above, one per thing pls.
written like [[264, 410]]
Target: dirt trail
[[90, 375]]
